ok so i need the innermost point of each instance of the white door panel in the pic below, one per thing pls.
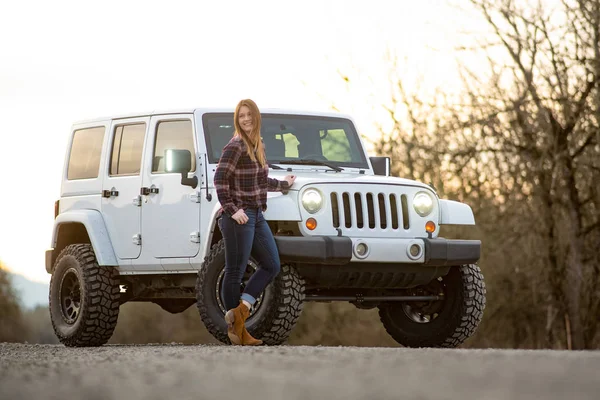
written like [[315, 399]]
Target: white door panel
[[170, 213], [120, 206]]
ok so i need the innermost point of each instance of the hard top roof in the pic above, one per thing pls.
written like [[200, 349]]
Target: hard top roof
[[204, 110]]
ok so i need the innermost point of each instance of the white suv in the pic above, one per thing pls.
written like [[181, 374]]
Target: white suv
[[136, 221]]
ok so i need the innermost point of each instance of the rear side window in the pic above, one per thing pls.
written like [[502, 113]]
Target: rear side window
[[126, 156], [84, 159], [171, 135]]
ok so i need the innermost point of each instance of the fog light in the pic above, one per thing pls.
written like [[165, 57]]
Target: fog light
[[311, 224], [361, 250], [415, 250], [430, 226]]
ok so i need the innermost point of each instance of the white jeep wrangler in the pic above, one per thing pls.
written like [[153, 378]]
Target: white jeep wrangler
[[136, 221]]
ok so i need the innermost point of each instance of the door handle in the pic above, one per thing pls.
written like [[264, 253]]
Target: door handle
[[145, 191], [110, 193]]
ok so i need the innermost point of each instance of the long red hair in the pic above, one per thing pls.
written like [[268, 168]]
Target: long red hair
[[253, 141]]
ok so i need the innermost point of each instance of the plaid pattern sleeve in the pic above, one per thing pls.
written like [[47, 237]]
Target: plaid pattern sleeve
[[241, 182], [224, 175], [273, 184]]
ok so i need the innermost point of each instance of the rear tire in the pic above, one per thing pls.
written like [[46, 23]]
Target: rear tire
[[446, 323], [84, 298]]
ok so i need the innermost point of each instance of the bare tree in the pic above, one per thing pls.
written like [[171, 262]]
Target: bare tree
[[521, 144]]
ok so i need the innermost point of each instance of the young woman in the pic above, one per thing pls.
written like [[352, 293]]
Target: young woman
[[242, 182]]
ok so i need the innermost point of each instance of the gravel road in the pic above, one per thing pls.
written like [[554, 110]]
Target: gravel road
[[289, 372]]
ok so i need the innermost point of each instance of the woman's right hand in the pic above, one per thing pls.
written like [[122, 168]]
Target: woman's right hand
[[240, 217]]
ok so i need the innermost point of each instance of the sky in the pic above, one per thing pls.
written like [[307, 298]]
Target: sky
[[66, 61]]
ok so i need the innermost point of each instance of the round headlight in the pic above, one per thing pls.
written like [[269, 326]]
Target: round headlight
[[423, 204], [312, 200]]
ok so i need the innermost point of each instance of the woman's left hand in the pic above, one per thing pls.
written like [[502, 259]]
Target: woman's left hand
[[290, 179]]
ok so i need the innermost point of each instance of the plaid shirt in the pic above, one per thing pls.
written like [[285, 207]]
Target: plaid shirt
[[241, 182]]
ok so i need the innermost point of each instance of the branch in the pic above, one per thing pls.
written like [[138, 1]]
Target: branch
[[586, 143], [588, 229], [580, 106]]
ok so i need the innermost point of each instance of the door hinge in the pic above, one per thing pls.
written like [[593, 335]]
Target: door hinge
[[195, 197], [137, 239], [137, 201], [195, 237]]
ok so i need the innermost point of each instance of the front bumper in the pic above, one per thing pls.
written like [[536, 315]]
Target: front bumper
[[442, 252], [328, 250], [338, 250]]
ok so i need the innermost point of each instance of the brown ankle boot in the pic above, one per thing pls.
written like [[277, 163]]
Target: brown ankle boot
[[248, 340], [235, 318]]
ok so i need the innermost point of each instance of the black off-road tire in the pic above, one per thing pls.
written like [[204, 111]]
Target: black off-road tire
[[96, 319], [273, 322], [457, 320]]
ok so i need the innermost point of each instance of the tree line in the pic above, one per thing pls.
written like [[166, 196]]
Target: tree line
[[520, 143]]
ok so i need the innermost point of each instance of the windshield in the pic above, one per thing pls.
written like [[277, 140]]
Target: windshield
[[293, 137]]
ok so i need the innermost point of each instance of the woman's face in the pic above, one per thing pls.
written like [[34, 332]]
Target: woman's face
[[245, 119]]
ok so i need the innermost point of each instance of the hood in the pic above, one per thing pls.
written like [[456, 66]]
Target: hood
[[304, 178]]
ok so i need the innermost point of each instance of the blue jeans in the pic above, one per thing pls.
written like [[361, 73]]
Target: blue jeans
[[254, 237]]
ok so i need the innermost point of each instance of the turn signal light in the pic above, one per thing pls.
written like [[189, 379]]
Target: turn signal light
[[430, 226], [311, 224]]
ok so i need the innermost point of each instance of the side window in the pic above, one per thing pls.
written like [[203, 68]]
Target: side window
[[84, 158], [126, 156], [172, 135], [335, 145]]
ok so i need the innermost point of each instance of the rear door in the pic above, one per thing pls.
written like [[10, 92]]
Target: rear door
[[121, 201]]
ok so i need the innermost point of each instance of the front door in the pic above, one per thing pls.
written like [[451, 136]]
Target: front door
[[121, 205], [171, 211]]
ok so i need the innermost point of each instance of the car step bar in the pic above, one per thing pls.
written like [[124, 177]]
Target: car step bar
[[359, 298]]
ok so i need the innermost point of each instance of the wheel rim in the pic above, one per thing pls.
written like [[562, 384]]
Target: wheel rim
[[70, 296], [423, 312], [250, 269]]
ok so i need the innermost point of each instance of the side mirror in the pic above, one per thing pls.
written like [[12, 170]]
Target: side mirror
[[180, 161], [381, 165]]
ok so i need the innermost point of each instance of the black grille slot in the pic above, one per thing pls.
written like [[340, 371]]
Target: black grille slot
[[359, 210], [347, 215], [391, 210], [394, 209], [382, 216], [405, 221], [335, 210], [371, 210]]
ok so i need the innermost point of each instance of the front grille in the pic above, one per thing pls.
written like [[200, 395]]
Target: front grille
[[369, 210]]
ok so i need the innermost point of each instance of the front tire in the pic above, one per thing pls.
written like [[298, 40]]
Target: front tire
[[84, 298], [275, 313], [445, 323]]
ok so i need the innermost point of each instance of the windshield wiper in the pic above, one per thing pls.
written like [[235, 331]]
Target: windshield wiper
[[312, 162], [274, 166]]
